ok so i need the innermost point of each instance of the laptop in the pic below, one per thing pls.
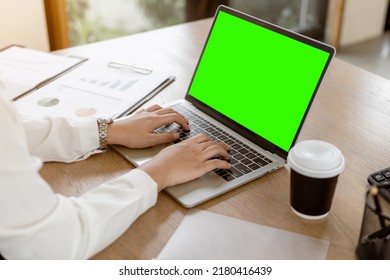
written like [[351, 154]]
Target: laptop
[[252, 88]]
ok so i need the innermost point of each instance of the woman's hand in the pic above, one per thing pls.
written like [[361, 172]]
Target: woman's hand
[[186, 161], [137, 131]]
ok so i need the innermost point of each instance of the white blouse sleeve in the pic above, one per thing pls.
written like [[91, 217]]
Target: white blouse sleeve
[[60, 139], [36, 223]]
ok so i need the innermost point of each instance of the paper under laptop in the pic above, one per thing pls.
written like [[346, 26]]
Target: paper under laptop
[[255, 83]]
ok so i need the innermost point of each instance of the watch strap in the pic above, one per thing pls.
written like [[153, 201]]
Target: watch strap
[[103, 127]]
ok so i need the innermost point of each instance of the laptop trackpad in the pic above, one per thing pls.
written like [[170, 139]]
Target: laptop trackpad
[[139, 156], [199, 190]]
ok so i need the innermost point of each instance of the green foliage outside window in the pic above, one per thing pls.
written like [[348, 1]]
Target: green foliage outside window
[[83, 29]]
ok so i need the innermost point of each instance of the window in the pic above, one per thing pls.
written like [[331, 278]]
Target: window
[[75, 22]]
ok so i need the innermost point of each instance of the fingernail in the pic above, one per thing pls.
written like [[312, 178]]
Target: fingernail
[[176, 135]]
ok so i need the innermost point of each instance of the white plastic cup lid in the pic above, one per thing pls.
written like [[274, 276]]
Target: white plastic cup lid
[[317, 159]]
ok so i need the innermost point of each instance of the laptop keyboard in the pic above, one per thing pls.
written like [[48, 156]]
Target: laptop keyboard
[[243, 158]]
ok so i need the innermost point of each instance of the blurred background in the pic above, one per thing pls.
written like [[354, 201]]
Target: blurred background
[[94, 20], [359, 29]]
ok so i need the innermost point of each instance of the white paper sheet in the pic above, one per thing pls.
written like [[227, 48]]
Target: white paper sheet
[[203, 235]]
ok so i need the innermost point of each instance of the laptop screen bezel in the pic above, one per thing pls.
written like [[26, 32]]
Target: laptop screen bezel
[[253, 137]]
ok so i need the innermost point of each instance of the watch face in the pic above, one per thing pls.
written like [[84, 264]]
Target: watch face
[[106, 121]]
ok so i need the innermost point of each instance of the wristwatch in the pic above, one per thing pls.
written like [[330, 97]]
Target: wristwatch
[[103, 125]]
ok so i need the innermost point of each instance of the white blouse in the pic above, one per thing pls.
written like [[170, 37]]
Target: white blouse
[[36, 223]]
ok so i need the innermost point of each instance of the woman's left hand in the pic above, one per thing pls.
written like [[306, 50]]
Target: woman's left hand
[[137, 131]]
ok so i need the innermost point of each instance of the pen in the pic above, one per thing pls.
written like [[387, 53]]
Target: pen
[[127, 67], [378, 208]]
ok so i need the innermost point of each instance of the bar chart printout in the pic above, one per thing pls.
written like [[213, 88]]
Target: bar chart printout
[[90, 91]]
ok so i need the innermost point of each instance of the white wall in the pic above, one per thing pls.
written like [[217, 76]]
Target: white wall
[[23, 22], [362, 20]]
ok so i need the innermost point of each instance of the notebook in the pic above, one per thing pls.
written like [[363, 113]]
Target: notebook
[[252, 88]]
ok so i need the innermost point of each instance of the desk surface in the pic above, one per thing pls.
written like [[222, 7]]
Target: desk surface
[[351, 111]]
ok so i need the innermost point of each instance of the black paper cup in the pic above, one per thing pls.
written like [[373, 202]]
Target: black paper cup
[[314, 170]]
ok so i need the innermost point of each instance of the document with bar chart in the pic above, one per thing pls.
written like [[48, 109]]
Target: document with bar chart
[[93, 90]]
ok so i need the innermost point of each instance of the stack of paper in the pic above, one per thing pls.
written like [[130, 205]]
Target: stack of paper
[[45, 84]]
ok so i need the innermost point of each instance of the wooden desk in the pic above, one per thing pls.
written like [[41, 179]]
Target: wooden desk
[[352, 111]]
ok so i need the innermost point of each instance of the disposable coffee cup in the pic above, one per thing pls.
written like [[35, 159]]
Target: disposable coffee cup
[[314, 169]]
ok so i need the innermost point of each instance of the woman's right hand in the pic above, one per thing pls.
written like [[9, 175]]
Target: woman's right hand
[[186, 161]]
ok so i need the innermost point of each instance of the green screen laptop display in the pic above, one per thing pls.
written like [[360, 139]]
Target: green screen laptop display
[[259, 78]]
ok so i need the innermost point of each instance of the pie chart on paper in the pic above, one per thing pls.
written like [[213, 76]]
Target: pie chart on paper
[[86, 112], [48, 101]]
